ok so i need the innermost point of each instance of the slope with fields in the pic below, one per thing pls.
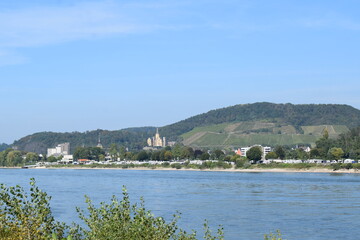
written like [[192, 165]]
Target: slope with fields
[[281, 115], [250, 133]]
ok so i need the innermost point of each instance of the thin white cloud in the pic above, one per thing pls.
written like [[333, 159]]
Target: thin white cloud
[[49, 25]]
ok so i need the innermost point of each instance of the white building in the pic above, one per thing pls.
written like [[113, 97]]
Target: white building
[[61, 149], [67, 159], [265, 150]]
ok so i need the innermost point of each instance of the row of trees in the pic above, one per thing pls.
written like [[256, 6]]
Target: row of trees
[[10, 158], [345, 146], [168, 153]]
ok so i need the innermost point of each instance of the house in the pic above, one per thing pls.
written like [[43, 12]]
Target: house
[[84, 161]]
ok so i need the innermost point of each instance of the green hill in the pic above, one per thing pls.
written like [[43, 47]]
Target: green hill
[[239, 125], [263, 123], [133, 138]]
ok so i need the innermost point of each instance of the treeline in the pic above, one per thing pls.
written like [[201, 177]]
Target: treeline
[[3, 146], [132, 138], [177, 152], [290, 114], [13, 158], [347, 145]]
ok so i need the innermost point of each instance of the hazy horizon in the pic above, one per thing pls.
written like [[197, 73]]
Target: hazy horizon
[[105, 64]]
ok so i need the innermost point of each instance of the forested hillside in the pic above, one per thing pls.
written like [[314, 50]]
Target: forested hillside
[[261, 123], [283, 114], [3, 146], [133, 138]]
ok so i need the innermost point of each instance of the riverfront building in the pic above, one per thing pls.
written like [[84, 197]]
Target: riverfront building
[[242, 151], [60, 149]]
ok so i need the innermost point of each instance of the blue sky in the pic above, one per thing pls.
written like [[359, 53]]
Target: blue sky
[[85, 65]]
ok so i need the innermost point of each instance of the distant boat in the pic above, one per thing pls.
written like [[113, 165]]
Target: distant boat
[[28, 166]]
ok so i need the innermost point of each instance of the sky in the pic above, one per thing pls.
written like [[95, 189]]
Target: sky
[[74, 65]]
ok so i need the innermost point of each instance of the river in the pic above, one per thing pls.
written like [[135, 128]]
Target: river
[[302, 205]]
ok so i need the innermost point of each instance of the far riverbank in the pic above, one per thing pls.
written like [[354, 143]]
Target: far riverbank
[[255, 170]]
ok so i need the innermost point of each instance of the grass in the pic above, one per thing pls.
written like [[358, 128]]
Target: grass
[[235, 140], [218, 128], [219, 136], [318, 130]]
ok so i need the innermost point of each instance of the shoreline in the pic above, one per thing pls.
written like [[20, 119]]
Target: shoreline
[[248, 170]]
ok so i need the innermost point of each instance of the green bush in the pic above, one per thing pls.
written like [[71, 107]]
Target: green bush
[[336, 166], [28, 217], [24, 216], [122, 220], [176, 165], [273, 236], [241, 163]]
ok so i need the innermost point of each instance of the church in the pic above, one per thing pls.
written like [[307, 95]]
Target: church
[[156, 141]]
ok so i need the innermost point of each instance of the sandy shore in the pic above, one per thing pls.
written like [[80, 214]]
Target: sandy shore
[[310, 170]]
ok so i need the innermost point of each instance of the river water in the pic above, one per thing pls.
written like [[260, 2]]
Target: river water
[[248, 205]]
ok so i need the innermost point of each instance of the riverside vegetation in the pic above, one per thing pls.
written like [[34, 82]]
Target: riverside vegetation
[[25, 216], [345, 146]]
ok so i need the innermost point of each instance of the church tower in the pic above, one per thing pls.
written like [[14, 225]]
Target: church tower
[[99, 145], [157, 139]]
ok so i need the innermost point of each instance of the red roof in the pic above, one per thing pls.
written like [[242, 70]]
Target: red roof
[[83, 160]]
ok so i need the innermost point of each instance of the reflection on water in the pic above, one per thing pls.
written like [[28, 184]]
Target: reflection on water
[[302, 205]]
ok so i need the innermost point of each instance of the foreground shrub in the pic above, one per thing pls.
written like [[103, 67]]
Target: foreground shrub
[[29, 217], [24, 216], [122, 220], [273, 236]]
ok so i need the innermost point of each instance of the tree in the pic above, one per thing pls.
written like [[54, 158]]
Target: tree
[[336, 153], [176, 151], [280, 152], [114, 152], [316, 153], [14, 158], [167, 155], [301, 154], [52, 159], [187, 152], [141, 156], [92, 153], [197, 153], [205, 156], [271, 155], [31, 157], [325, 133], [218, 154], [254, 154], [122, 153]]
